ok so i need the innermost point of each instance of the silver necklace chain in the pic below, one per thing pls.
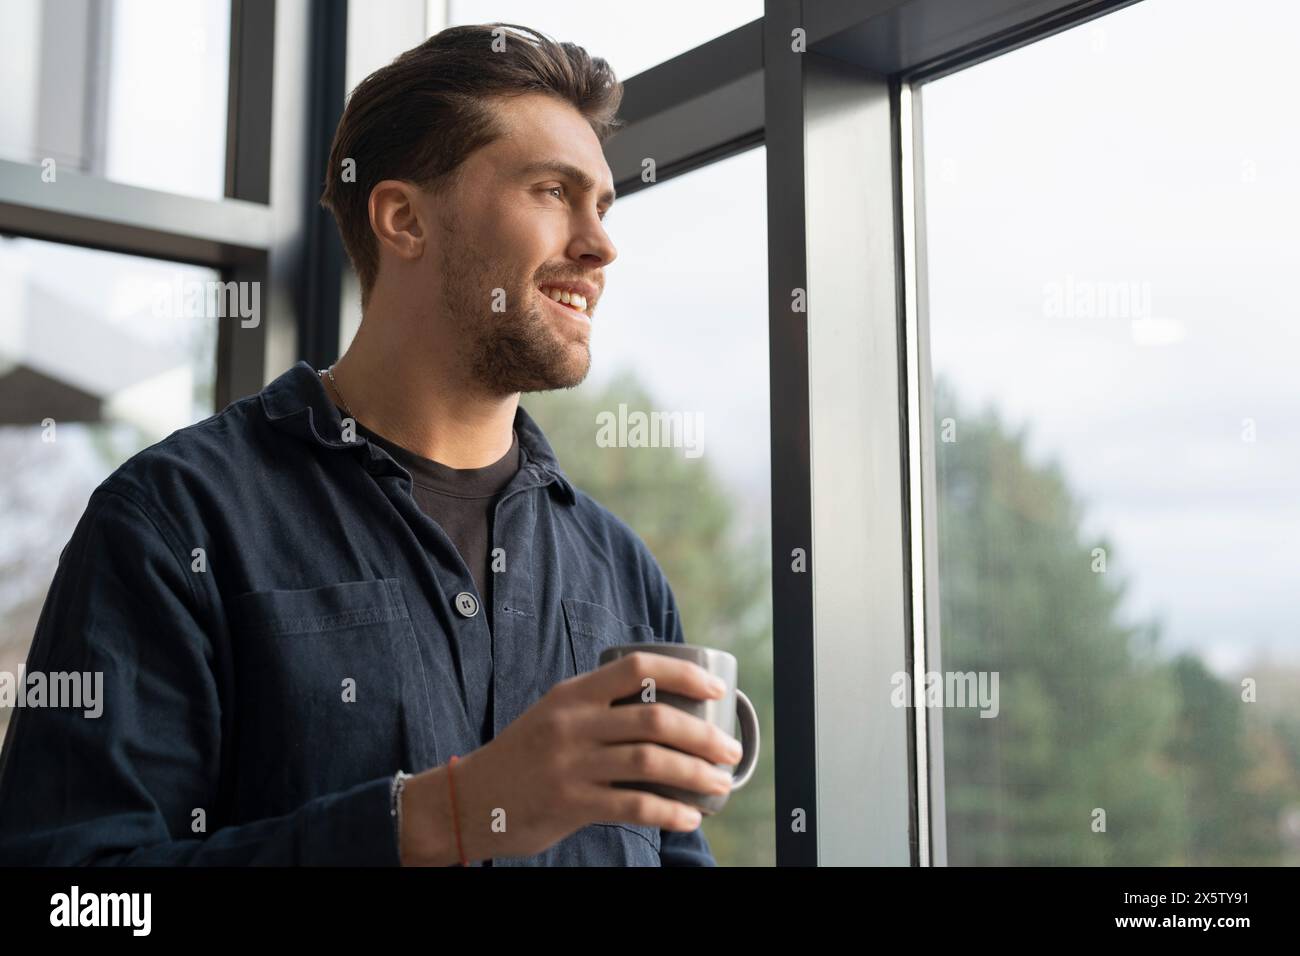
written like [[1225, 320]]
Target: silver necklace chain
[[330, 372]]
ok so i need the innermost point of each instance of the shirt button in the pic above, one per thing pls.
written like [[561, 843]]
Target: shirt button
[[466, 604]]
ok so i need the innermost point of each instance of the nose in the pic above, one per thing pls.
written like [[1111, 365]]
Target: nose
[[592, 245]]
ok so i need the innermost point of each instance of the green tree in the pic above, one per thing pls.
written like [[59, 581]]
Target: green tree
[[1234, 812], [1086, 705], [1092, 715]]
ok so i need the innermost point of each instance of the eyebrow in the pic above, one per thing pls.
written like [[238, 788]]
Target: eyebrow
[[568, 171]]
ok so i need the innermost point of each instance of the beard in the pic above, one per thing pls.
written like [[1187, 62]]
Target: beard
[[518, 350]]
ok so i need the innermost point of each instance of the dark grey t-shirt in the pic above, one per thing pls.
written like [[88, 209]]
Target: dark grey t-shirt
[[461, 501]]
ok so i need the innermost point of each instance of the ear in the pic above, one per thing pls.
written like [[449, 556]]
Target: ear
[[396, 218]]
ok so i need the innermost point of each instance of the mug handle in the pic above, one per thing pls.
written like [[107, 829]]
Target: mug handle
[[747, 717]]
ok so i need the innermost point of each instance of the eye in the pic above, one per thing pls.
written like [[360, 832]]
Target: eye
[[560, 189]]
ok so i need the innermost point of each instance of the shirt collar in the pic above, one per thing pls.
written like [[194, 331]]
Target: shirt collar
[[296, 403]]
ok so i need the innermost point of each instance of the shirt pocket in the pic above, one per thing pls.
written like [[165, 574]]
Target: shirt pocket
[[330, 691], [591, 629]]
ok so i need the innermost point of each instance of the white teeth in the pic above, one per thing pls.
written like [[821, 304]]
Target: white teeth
[[568, 298]]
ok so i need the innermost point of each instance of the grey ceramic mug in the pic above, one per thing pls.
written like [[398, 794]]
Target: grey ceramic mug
[[722, 712]]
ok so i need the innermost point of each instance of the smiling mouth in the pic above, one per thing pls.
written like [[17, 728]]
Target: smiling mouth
[[572, 310]]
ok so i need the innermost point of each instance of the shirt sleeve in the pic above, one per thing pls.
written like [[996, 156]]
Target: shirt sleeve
[[675, 847], [122, 778]]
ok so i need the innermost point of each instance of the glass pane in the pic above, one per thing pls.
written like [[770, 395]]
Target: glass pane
[[1114, 341], [374, 42], [655, 34], [91, 372], [687, 334], [131, 91]]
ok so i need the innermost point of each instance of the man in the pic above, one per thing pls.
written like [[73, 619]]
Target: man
[[356, 618]]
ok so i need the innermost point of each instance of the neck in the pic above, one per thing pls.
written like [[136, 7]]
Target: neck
[[419, 396]]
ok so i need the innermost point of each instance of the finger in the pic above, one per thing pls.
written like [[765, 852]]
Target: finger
[[627, 675], [603, 804], [663, 724], [652, 763]]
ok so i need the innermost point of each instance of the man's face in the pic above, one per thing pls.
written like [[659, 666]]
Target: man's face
[[513, 227]]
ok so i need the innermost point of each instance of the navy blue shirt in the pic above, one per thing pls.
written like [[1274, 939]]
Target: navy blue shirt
[[238, 580], [461, 501]]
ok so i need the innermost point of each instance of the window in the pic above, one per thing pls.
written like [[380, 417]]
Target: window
[[131, 91], [1110, 239], [91, 372]]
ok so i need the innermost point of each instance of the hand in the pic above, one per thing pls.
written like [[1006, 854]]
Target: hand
[[549, 772]]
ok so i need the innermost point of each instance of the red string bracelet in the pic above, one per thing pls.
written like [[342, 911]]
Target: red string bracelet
[[455, 817]]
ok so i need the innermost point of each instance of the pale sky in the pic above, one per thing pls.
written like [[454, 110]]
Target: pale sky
[[1158, 145]]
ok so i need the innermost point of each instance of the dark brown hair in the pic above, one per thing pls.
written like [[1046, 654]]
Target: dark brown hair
[[421, 116]]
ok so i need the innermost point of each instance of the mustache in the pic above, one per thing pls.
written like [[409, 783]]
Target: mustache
[[577, 280]]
